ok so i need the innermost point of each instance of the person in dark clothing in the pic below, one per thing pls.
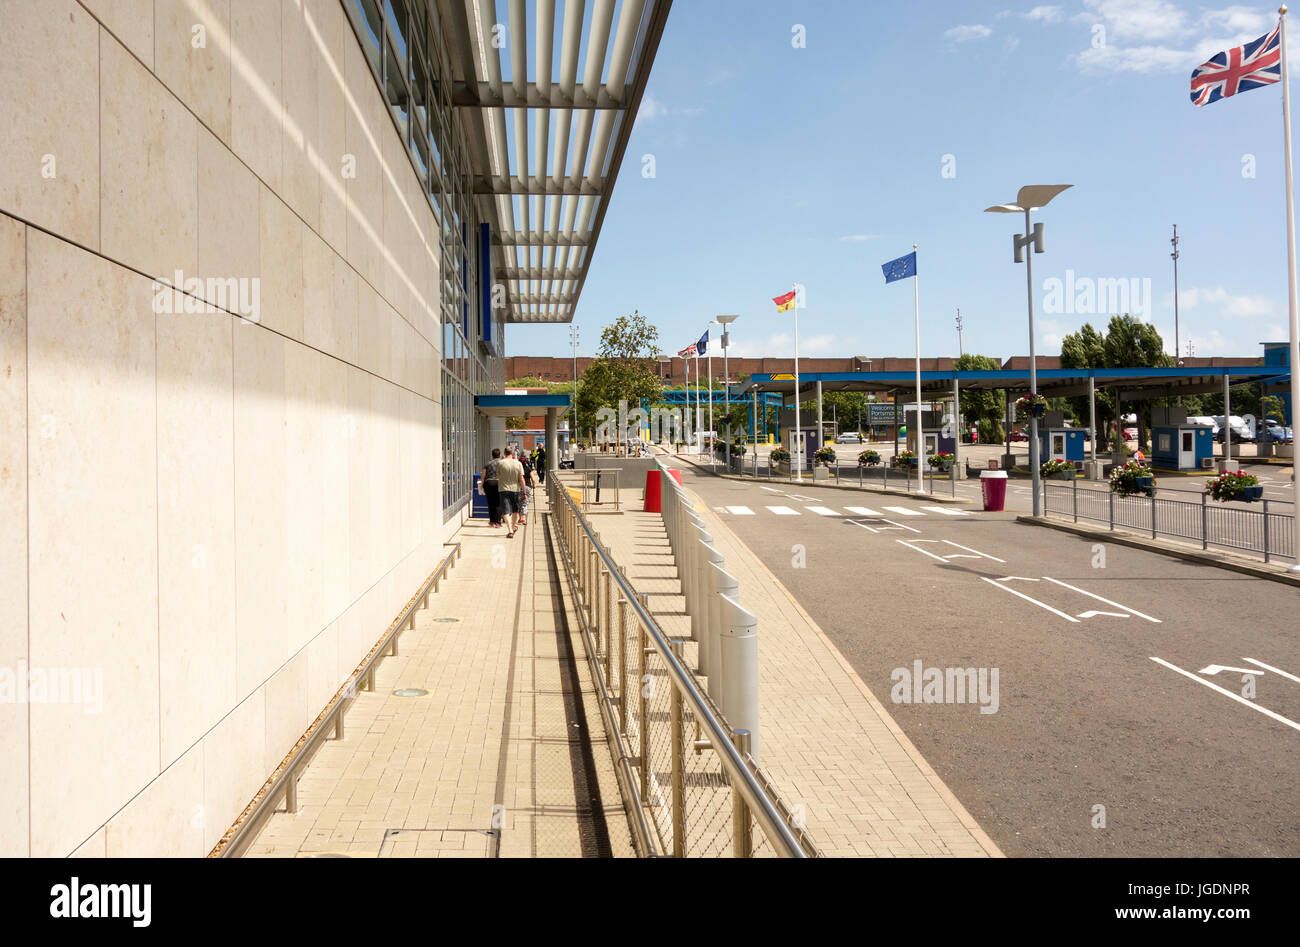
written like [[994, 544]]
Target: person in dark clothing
[[491, 488], [541, 463], [522, 456]]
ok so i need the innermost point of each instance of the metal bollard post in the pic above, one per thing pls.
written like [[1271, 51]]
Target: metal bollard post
[[720, 583], [622, 664], [1153, 514], [679, 768], [742, 835], [738, 694], [702, 628], [1266, 529], [291, 794], [1205, 526], [593, 565], [1112, 510], [1074, 489]]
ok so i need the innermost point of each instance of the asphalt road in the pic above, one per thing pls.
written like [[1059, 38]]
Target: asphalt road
[[1104, 660]]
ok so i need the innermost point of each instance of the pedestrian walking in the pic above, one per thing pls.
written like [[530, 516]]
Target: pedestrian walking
[[489, 483], [527, 463], [541, 463], [510, 477]]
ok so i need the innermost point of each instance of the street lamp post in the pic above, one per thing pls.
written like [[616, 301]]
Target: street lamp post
[[1028, 198], [573, 410]]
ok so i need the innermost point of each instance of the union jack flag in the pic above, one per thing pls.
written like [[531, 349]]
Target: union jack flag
[[687, 352], [1239, 69]]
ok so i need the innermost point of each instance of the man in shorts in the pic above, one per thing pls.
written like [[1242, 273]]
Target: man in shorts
[[511, 486]]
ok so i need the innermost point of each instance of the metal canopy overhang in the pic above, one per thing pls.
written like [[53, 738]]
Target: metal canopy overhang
[[541, 253], [504, 406], [1136, 384]]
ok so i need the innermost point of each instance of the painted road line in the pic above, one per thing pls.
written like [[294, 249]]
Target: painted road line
[[1269, 667], [998, 584], [945, 511], [770, 489], [900, 526], [1133, 611], [740, 510], [783, 511], [976, 551], [862, 511], [904, 511], [922, 551], [822, 511], [1227, 693]]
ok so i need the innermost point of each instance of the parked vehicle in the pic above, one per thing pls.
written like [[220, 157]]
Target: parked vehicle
[[1019, 435], [1207, 421], [1276, 434], [850, 438], [1241, 432], [1130, 433]]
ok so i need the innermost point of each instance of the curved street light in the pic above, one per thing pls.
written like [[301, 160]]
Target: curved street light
[[1029, 197]]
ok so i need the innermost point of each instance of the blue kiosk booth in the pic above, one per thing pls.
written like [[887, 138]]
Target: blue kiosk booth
[[1182, 447], [1062, 443]]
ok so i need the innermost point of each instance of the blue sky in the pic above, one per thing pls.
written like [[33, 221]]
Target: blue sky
[[776, 164]]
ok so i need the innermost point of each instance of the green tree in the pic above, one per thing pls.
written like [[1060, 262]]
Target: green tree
[[985, 407], [1128, 343]]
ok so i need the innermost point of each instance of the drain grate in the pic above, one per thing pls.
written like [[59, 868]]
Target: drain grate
[[410, 692], [444, 620], [440, 843]]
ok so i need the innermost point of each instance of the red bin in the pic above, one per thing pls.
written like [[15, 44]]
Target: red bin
[[993, 485], [653, 488]]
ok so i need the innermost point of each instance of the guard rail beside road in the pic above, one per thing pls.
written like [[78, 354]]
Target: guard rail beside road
[[688, 775]]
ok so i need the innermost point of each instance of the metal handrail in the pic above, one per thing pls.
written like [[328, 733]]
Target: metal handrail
[[285, 785], [763, 807]]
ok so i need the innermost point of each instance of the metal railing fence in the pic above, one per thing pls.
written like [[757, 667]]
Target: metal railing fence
[[1266, 531], [689, 781]]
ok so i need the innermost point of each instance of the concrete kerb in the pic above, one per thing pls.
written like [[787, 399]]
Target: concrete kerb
[[1218, 560], [884, 491], [933, 778]]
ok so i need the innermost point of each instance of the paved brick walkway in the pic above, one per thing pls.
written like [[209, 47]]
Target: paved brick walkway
[[501, 757], [827, 743]]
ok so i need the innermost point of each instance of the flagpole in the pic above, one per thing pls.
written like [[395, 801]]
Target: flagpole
[[686, 364], [699, 432], [920, 429], [797, 453], [1291, 279]]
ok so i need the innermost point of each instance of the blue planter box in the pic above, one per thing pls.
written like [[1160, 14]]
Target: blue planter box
[[1144, 483], [1251, 494]]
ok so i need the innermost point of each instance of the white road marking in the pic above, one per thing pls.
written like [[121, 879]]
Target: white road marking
[[956, 555], [802, 499], [998, 584], [900, 526], [1213, 669], [1269, 667], [783, 511], [976, 551], [740, 510], [945, 511], [1133, 611], [1093, 613], [771, 489], [904, 511], [919, 549], [863, 511], [1227, 693], [823, 511]]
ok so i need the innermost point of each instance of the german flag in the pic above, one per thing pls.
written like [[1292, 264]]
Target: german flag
[[784, 303]]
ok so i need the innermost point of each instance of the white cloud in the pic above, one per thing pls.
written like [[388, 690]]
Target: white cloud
[[1045, 14], [1163, 37], [1242, 306], [1009, 44], [962, 34], [652, 108], [1141, 20]]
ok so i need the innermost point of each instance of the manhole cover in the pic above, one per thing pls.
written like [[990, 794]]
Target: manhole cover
[[445, 620], [410, 692]]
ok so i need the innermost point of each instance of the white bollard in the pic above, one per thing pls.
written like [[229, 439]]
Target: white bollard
[[720, 583], [690, 569], [702, 618], [738, 699]]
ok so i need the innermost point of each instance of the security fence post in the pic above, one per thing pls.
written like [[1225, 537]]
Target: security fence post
[[678, 766], [742, 836]]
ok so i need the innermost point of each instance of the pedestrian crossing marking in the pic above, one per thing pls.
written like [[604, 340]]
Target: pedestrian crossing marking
[[823, 511], [863, 511], [904, 511], [783, 511], [741, 510], [946, 512]]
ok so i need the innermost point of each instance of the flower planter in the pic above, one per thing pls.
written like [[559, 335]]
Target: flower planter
[[782, 468], [1064, 475], [1037, 410], [1251, 494], [1144, 483], [821, 473]]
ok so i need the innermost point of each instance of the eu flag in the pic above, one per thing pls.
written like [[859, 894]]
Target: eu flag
[[901, 268], [703, 344]]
